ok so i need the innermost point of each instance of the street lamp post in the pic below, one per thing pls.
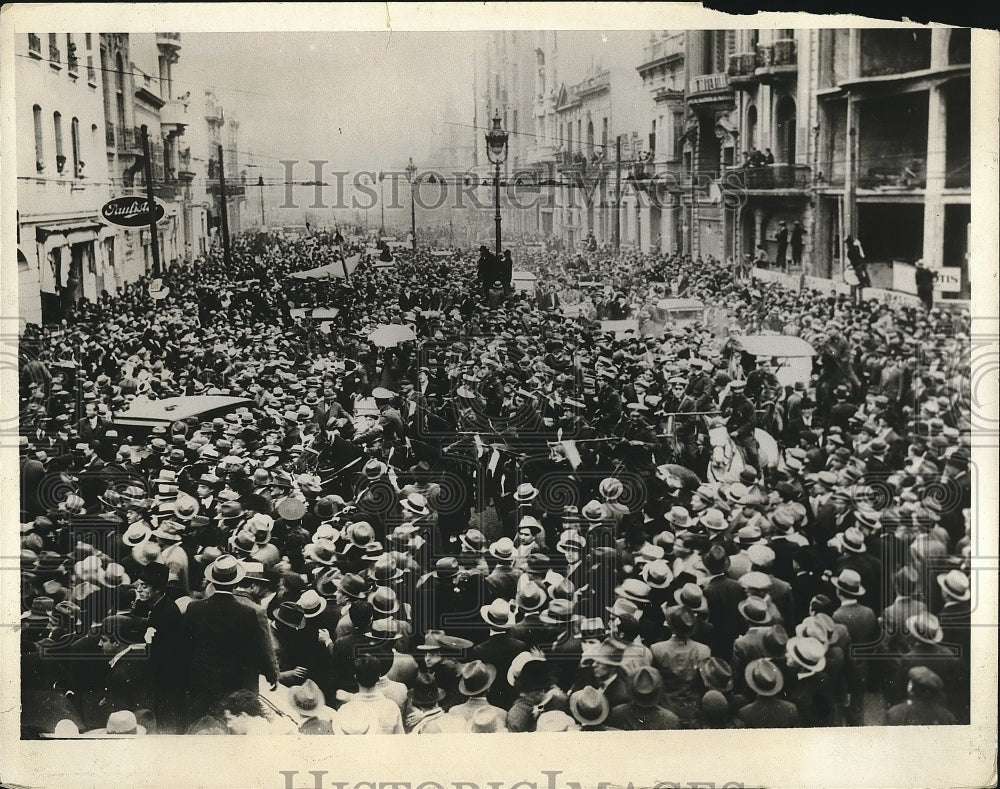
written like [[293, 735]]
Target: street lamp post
[[496, 152], [411, 172], [381, 189]]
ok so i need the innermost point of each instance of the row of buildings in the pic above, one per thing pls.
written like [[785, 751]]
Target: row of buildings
[[82, 103], [867, 131]]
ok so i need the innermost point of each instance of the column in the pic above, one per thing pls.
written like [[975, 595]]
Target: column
[[853, 53], [668, 225], [937, 124]]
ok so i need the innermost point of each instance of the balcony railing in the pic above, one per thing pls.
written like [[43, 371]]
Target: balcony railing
[[772, 176], [913, 176], [169, 191], [665, 47], [777, 60], [710, 83], [126, 140], [785, 52], [741, 68], [34, 45]]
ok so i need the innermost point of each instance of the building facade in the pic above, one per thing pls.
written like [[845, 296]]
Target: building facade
[[62, 175], [84, 100], [733, 134]]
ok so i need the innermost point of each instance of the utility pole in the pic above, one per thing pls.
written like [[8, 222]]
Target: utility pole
[[618, 192], [260, 183], [224, 212], [154, 239]]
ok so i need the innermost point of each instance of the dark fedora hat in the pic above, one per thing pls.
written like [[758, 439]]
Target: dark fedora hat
[[477, 677], [425, 690], [155, 574], [291, 615]]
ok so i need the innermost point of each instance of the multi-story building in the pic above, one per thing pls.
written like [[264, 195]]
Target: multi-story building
[[892, 151], [774, 116], [660, 180], [138, 96], [62, 178]]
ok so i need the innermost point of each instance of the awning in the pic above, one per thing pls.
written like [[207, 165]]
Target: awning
[[330, 270], [76, 232]]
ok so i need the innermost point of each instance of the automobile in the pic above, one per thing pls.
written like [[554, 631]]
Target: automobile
[[681, 311], [793, 355], [142, 415]]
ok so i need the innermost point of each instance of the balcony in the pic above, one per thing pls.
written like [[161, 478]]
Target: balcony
[[772, 177], [912, 176], [129, 140], [232, 190], [169, 40], [778, 60], [741, 70], [169, 191], [34, 46], [711, 91], [173, 117]]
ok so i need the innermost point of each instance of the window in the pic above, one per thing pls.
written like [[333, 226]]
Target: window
[[652, 140], [678, 133], [39, 144], [88, 41], [34, 45], [95, 142], [604, 133], [54, 55], [751, 128], [120, 92], [60, 156], [72, 61], [74, 131]]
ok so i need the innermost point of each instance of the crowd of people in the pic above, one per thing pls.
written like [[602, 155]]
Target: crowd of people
[[494, 517]]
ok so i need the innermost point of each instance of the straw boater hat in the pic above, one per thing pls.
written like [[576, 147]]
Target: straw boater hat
[[498, 615], [226, 572]]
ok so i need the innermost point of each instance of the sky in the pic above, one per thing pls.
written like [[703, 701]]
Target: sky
[[357, 100]]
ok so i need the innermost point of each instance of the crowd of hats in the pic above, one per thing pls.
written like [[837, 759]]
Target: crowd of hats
[[871, 492]]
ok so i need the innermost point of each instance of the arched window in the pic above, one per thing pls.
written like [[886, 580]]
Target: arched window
[[751, 129], [60, 156], [74, 133], [36, 112], [785, 130]]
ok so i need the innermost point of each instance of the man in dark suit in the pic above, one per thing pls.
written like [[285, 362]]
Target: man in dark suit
[[229, 647], [499, 650], [168, 649], [955, 618], [723, 596], [768, 711]]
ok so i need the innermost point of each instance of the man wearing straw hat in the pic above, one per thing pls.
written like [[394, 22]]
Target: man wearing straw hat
[[229, 646]]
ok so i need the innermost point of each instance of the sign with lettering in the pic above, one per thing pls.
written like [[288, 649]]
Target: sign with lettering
[[131, 211]]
